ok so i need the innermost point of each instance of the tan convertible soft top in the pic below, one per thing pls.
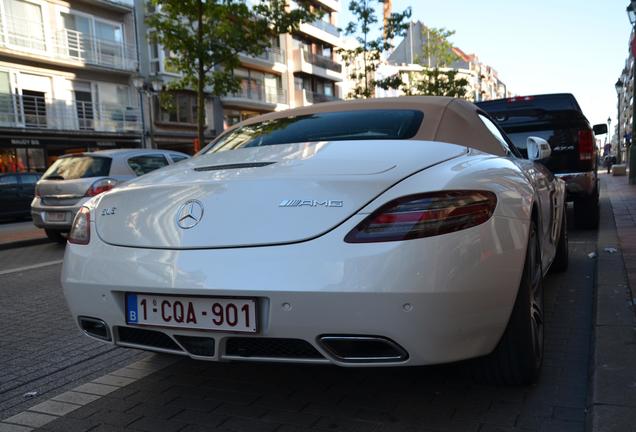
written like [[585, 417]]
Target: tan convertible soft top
[[445, 119]]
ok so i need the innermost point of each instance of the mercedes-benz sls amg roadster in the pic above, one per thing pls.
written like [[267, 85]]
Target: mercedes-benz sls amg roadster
[[389, 232]]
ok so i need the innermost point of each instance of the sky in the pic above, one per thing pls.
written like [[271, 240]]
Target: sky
[[538, 46]]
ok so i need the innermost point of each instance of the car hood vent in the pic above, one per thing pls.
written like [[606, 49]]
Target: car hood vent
[[234, 166]]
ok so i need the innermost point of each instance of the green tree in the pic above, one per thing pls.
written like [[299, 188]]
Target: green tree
[[370, 50], [438, 77], [205, 38]]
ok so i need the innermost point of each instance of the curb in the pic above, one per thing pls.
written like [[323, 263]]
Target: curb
[[612, 396], [58, 406], [24, 243]]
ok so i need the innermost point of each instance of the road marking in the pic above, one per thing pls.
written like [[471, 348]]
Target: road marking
[[31, 267]]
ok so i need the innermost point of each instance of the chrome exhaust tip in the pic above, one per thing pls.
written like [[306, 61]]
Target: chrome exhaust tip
[[363, 349]]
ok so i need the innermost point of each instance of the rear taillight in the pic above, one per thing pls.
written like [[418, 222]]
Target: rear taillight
[[425, 215], [586, 144], [81, 228], [101, 186]]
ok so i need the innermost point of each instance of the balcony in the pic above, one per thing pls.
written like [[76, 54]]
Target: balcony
[[270, 56], [306, 97], [66, 45], [35, 112], [321, 61], [264, 97], [326, 27]]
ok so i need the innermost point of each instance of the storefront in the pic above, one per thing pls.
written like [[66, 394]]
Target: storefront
[[36, 152]]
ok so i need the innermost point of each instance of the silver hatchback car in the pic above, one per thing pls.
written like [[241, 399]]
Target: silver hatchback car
[[73, 179]]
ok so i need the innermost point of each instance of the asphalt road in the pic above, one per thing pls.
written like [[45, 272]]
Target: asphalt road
[[41, 350]]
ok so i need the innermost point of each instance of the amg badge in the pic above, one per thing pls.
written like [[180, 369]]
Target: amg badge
[[311, 203]]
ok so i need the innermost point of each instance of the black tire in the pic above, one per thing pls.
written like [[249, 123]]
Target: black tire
[[561, 258], [518, 356], [55, 236], [586, 212]]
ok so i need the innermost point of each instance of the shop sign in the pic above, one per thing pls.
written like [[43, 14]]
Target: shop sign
[[24, 141]]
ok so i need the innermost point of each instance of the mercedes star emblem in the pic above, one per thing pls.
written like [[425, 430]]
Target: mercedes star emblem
[[189, 214]]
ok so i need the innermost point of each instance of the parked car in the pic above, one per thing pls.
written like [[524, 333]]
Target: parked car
[[558, 119], [388, 232], [17, 190], [73, 179]]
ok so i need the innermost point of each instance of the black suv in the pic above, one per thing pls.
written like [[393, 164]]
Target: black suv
[[558, 119]]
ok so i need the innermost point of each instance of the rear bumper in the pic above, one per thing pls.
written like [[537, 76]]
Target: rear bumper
[[440, 299], [41, 219], [580, 184]]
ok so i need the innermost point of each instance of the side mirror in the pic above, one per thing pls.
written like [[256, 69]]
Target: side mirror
[[538, 149], [600, 129]]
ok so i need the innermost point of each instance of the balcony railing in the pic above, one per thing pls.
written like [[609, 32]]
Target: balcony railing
[[327, 27], [35, 112], [321, 61], [261, 94], [307, 97], [69, 45], [271, 55]]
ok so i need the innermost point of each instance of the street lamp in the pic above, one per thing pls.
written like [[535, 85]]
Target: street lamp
[[631, 14], [150, 88], [619, 87], [608, 135]]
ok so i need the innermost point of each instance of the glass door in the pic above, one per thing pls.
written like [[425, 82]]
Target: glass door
[[109, 38], [77, 31]]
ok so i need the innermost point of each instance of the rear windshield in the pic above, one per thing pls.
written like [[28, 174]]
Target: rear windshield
[[327, 126], [75, 167]]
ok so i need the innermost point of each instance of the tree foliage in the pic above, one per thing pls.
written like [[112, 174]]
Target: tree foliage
[[370, 49], [205, 38], [438, 77]]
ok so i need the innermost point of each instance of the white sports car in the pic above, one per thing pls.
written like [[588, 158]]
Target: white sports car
[[389, 232]]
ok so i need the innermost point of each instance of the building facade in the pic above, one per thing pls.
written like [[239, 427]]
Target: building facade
[[622, 134], [300, 69], [483, 81], [65, 74]]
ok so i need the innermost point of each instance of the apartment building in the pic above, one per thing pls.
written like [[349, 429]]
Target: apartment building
[[65, 73], [622, 134], [300, 69], [483, 81]]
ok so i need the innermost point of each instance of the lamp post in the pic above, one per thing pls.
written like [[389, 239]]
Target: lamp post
[[608, 135], [631, 13], [619, 87], [148, 88]]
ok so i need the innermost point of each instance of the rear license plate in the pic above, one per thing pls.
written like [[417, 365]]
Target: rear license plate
[[202, 313], [56, 216]]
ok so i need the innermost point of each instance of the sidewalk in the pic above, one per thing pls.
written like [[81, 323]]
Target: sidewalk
[[612, 401], [19, 234]]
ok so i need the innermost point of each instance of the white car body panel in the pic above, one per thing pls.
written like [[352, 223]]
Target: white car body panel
[[441, 298], [242, 206]]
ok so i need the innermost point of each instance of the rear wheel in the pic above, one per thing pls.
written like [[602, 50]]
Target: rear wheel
[[586, 212], [518, 356], [55, 236], [560, 263]]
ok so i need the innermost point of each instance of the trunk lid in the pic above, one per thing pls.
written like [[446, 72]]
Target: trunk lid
[[259, 196]]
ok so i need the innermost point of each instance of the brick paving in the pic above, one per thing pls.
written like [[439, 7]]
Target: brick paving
[[191, 396], [41, 349]]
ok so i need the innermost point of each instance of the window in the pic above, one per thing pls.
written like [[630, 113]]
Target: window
[[34, 107], [30, 178], [494, 130], [327, 126], [75, 167], [177, 158], [7, 110], [178, 108], [144, 164], [8, 180], [25, 24], [83, 104]]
